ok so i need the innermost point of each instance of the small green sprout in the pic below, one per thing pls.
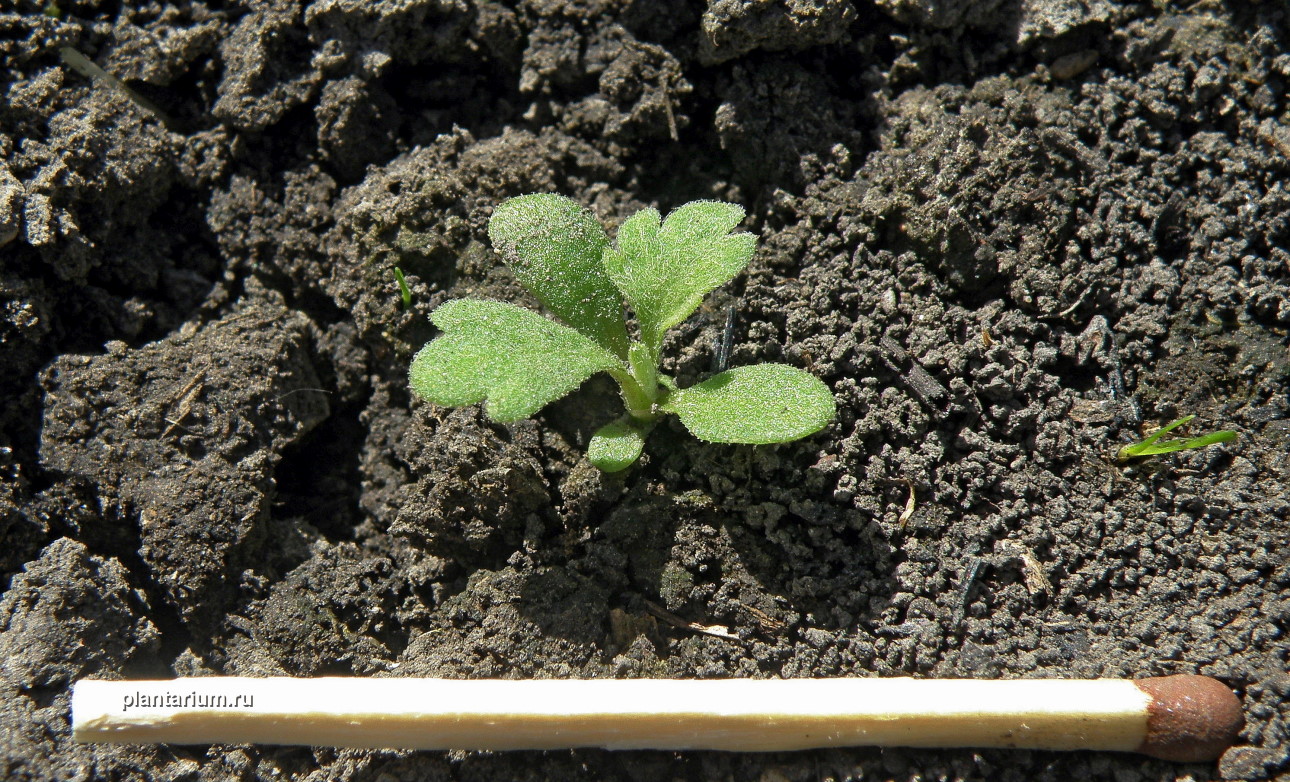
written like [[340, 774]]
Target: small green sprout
[[517, 361], [404, 294], [1154, 446]]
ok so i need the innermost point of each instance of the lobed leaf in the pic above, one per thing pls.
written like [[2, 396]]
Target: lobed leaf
[[616, 446], [763, 403], [512, 357], [554, 246], [665, 268]]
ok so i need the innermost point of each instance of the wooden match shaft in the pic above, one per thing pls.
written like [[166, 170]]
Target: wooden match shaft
[[1188, 718]]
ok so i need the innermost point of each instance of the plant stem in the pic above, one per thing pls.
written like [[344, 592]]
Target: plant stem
[[639, 383]]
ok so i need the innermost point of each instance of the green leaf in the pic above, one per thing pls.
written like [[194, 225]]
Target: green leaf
[[514, 358], [1169, 446], [664, 269], [1153, 446], [1148, 442], [554, 246], [616, 446], [763, 403]]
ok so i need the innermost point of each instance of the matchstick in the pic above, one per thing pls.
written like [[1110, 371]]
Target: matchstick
[[1185, 718]]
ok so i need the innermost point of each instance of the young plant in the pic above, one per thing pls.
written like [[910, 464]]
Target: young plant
[[517, 361], [1154, 446], [405, 294]]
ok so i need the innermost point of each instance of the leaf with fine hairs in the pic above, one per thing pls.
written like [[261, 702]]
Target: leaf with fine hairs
[[664, 268], [554, 246], [759, 404], [512, 357]]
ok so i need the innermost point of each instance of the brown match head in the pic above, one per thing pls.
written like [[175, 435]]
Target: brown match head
[[1190, 718]]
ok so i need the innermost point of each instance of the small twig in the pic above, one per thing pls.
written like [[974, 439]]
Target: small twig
[[187, 396], [1078, 301], [927, 388], [721, 354], [965, 590], [716, 631], [671, 118], [285, 394], [1032, 572], [767, 621], [910, 504], [87, 67]]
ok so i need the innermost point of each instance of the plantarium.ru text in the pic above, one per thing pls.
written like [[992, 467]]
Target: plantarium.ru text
[[517, 361]]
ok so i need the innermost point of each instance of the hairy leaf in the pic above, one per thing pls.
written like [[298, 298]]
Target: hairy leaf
[[514, 358], [554, 246], [664, 269], [763, 403], [616, 446]]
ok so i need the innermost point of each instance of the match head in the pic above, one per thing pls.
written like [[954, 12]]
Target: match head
[[1190, 718]]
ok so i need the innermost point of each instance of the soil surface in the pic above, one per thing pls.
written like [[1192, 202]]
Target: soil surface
[[1011, 236]]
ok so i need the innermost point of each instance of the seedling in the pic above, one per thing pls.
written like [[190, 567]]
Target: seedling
[[1154, 446], [517, 361], [405, 295]]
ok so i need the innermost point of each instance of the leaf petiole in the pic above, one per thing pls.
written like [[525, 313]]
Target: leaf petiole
[[639, 397]]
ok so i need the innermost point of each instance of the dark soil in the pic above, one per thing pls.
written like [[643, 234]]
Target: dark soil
[[1010, 235]]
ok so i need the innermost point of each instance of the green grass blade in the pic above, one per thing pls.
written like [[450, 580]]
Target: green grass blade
[[1221, 436], [1153, 446], [1143, 446], [1170, 446], [404, 293]]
